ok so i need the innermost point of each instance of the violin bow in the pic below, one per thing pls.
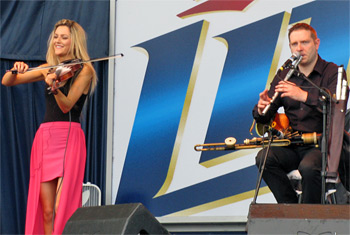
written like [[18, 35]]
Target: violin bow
[[72, 63]]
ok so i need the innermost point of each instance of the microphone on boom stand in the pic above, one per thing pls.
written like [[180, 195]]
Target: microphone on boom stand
[[295, 56]]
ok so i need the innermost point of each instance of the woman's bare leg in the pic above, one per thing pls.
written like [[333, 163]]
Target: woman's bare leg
[[58, 190], [47, 199]]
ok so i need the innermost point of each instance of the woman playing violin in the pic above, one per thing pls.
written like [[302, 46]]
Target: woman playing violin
[[58, 153]]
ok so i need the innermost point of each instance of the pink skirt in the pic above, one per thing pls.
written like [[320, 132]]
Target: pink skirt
[[53, 156]]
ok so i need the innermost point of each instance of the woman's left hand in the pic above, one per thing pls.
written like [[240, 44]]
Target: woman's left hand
[[50, 79]]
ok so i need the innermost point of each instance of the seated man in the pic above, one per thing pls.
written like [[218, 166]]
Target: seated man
[[302, 107]]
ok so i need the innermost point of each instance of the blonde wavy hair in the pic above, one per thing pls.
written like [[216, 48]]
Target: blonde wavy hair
[[78, 47]]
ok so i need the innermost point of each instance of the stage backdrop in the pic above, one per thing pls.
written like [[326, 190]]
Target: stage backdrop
[[192, 72]]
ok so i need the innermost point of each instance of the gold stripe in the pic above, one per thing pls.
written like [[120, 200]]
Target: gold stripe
[[348, 72], [278, 49], [185, 110], [228, 157], [223, 40], [220, 203], [142, 50]]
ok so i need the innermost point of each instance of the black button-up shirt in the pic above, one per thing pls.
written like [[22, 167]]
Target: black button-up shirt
[[303, 116]]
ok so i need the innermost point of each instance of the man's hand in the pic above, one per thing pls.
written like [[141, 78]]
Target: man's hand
[[263, 101], [289, 89]]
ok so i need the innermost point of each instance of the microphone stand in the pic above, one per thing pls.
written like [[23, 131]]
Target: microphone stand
[[293, 69], [325, 98], [262, 167]]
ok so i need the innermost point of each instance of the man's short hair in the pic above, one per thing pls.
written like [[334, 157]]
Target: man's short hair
[[304, 26]]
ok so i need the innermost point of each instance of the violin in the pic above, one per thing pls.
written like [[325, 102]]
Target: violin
[[72, 62], [69, 67], [64, 72]]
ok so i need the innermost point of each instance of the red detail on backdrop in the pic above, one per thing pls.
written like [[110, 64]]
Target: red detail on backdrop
[[217, 5]]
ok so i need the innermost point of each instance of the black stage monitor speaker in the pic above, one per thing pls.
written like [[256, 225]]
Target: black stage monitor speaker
[[131, 218]]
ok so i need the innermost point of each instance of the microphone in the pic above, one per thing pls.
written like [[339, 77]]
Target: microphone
[[339, 82], [343, 90], [295, 56]]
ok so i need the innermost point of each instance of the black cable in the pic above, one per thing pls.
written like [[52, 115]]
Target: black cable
[[292, 84], [64, 159], [65, 150]]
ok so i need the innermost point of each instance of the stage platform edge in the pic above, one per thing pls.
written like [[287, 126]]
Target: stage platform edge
[[204, 224], [298, 219]]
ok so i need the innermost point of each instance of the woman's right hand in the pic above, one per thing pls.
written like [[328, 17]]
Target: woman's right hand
[[19, 74], [20, 67]]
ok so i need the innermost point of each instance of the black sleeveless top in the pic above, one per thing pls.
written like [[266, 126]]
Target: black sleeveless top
[[54, 113]]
